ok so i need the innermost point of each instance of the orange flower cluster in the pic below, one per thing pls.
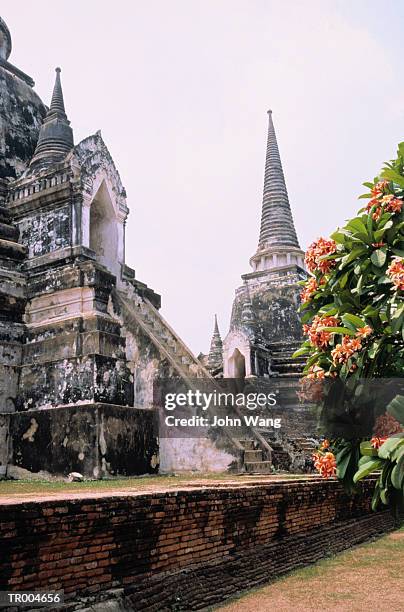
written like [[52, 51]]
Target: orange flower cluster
[[344, 351], [395, 272], [376, 441], [320, 338], [379, 188], [315, 372], [310, 288], [318, 249], [364, 332], [383, 201], [386, 425], [325, 463], [325, 444]]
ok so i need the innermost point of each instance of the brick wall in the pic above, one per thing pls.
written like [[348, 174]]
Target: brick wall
[[178, 550]]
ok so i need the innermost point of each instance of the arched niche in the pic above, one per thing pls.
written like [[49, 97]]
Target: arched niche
[[236, 355], [104, 229], [237, 365]]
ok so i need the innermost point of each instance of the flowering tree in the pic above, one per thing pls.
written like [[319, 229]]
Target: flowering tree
[[353, 314]]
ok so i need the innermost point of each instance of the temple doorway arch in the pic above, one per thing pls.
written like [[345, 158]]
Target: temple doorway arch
[[104, 229], [237, 365]]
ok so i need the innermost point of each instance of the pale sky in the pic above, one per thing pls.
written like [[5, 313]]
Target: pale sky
[[180, 90]]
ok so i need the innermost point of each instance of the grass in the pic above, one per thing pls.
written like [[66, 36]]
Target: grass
[[44, 487], [367, 577]]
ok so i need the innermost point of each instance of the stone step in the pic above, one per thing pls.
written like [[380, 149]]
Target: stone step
[[285, 360], [288, 367], [289, 375], [252, 456], [259, 467]]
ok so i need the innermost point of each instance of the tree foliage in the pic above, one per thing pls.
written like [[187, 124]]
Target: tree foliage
[[353, 315]]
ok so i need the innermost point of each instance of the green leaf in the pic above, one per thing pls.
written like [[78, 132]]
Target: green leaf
[[376, 497], [367, 450], [357, 225], [391, 445], [344, 279], [384, 496], [359, 284], [357, 322], [354, 254], [380, 232], [396, 408], [378, 257], [338, 237], [397, 474], [397, 454], [394, 176], [373, 349], [301, 351], [337, 330], [329, 309], [343, 463], [367, 468], [370, 311]]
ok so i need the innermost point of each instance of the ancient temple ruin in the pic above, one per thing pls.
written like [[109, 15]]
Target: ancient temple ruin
[[82, 340], [265, 328]]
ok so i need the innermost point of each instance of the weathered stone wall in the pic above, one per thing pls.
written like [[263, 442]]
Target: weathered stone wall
[[4, 441], [179, 550], [46, 231], [97, 440], [11, 335], [275, 310]]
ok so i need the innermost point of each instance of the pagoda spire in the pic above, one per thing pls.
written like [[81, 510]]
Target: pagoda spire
[[56, 136], [277, 227], [215, 357], [57, 106]]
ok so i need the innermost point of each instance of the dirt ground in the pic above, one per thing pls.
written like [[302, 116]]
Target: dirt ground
[[368, 577]]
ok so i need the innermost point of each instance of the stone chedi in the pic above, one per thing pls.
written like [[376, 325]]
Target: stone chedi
[[265, 327], [81, 338], [215, 356]]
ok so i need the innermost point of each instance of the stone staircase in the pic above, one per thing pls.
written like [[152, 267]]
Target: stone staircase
[[254, 461], [255, 451], [281, 459], [142, 312], [283, 364]]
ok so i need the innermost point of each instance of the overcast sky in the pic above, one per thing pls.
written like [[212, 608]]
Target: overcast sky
[[180, 89]]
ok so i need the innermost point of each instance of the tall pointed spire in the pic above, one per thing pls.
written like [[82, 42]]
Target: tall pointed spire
[[277, 227], [215, 357], [56, 136], [57, 106]]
